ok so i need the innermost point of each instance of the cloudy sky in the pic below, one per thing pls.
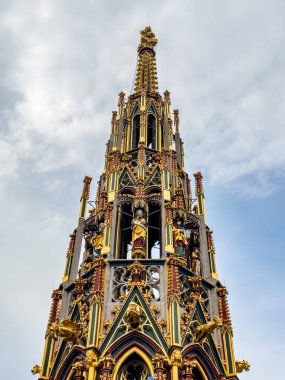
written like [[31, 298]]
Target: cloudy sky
[[62, 64]]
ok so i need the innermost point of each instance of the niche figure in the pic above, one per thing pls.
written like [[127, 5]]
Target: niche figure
[[195, 262], [88, 245], [194, 240], [139, 229], [97, 239], [180, 241]]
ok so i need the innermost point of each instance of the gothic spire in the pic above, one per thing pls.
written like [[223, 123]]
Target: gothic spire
[[146, 75]]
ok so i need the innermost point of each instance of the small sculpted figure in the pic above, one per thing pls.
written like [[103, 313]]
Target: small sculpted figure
[[97, 239], [242, 365], [139, 227], [202, 331], [36, 369], [134, 315], [195, 262], [67, 330], [180, 241]]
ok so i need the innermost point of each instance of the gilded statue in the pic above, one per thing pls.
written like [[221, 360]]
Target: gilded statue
[[134, 315], [180, 241], [139, 228], [36, 369], [201, 332], [195, 262], [148, 39], [67, 330], [242, 365], [97, 239]]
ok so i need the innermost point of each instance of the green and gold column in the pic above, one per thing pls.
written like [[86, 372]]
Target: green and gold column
[[199, 193], [50, 341], [95, 317], [227, 332], [212, 254]]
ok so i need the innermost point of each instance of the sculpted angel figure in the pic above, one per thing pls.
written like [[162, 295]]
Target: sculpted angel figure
[[139, 227]]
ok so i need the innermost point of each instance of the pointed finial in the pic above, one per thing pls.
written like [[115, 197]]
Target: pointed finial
[[148, 40]]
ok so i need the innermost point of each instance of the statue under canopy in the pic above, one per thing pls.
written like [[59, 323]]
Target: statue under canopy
[[139, 228]]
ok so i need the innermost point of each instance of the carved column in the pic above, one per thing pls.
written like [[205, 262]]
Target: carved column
[[69, 256], [199, 193], [72, 275], [49, 341], [95, 322], [91, 363], [176, 363], [173, 295], [79, 368], [227, 331], [212, 254]]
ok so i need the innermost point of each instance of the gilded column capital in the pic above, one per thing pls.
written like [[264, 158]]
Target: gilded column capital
[[176, 358], [187, 368], [79, 368], [136, 270], [91, 359]]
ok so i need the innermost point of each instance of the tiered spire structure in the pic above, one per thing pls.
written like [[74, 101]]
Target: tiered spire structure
[[146, 75], [145, 302]]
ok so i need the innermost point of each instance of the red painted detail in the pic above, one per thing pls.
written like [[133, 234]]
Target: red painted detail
[[224, 308], [136, 278], [54, 311]]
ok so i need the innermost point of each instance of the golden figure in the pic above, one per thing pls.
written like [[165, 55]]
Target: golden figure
[[139, 228], [179, 239], [67, 330], [201, 332], [242, 365], [195, 262], [147, 39], [36, 369], [134, 315], [97, 240]]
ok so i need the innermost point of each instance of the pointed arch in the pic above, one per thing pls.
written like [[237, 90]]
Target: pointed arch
[[126, 180], [136, 109], [155, 179], [134, 350], [205, 364], [64, 370], [135, 131], [152, 108], [200, 370], [151, 131]]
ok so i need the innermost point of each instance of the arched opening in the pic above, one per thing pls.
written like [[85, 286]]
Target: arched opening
[[162, 133], [154, 230], [197, 374], [151, 131], [124, 231], [134, 368], [136, 131]]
